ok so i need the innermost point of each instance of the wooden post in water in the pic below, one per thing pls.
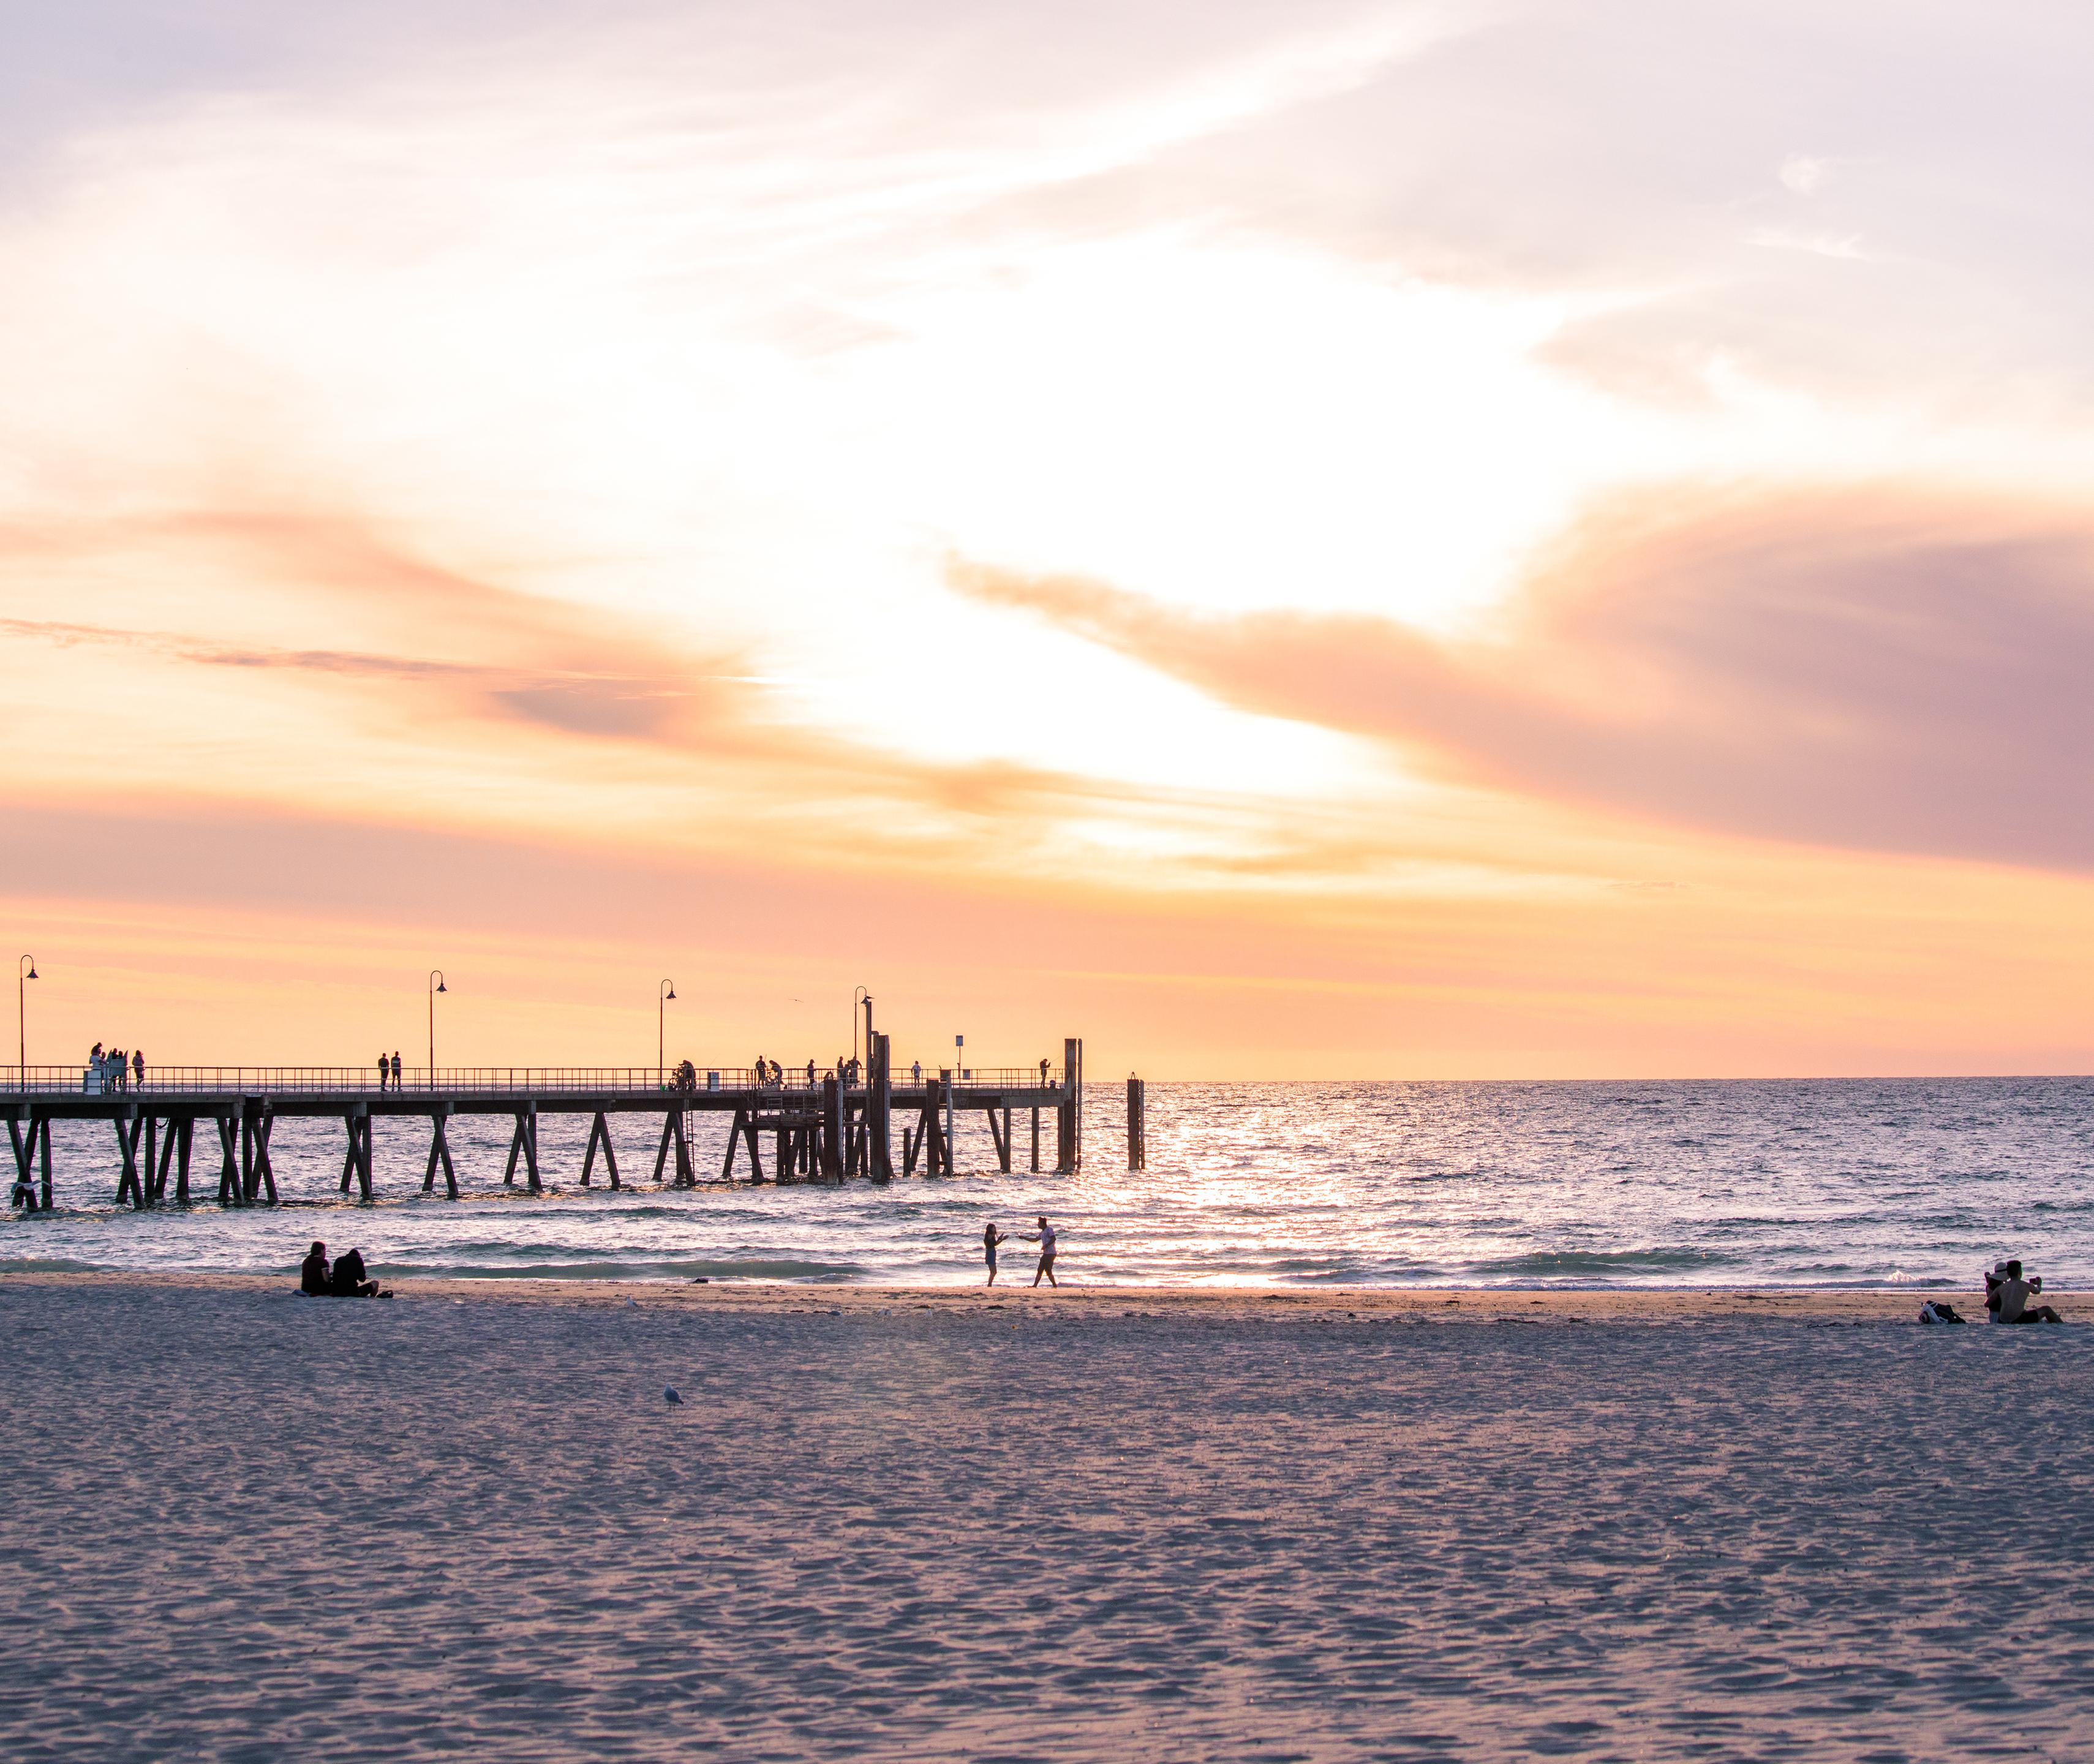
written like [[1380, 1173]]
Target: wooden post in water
[[229, 1193], [182, 1162], [879, 1110], [130, 1190], [440, 1150], [357, 1120], [832, 1129], [1137, 1125], [265, 1172], [600, 1135], [1068, 1113]]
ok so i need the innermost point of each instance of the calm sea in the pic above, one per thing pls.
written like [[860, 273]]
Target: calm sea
[[1819, 1182]]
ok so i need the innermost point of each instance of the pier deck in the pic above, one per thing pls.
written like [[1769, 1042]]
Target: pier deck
[[820, 1125]]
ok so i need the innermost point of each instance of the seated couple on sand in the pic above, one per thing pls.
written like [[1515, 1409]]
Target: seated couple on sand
[[2007, 1296], [344, 1279]]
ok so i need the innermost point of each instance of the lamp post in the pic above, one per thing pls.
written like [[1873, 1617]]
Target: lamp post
[[22, 1020], [860, 996], [663, 994], [435, 985]]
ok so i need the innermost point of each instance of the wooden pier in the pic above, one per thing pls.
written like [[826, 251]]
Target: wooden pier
[[812, 1126]]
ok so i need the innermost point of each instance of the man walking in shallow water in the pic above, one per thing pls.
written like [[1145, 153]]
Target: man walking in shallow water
[[1044, 1237]]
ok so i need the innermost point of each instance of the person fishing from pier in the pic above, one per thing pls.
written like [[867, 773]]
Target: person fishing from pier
[[991, 1237], [1044, 1237]]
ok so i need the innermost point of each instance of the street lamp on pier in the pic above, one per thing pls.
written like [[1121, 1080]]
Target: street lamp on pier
[[22, 1020], [663, 994], [435, 985]]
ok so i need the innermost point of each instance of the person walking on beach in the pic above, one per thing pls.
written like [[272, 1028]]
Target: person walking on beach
[[991, 1237], [1044, 1237]]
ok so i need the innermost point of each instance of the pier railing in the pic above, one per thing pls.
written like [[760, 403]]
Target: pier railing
[[457, 1080]]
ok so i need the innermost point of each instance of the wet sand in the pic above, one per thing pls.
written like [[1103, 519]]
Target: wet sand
[[1104, 1524]]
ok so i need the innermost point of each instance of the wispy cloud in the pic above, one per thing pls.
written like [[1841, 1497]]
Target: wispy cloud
[[1898, 669]]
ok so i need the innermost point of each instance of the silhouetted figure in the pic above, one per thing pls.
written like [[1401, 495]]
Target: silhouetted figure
[[138, 1067], [2014, 1294], [384, 1070], [1044, 1237], [313, 1272], [810, 1075], [396, 1070], [991, 1237], [347, 1281]]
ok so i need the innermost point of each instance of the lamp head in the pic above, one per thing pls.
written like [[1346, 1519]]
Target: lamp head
[[441, 988], [31, 974], [670, 993]]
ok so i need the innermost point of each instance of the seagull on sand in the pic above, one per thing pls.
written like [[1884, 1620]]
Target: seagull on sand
[[675, 1400]]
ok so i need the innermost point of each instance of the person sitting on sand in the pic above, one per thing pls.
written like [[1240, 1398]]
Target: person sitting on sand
[[2014, 1295], [991, 1237], [313, 1272], [1044, 1237], [347, 1281]]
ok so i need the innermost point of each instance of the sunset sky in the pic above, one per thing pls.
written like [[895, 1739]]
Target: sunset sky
[[1289, 540]]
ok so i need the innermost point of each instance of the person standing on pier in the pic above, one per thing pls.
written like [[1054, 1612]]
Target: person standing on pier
[[138, 1067], [1044, 1237], [991, 1237], [383, 1068], [396, 1069]]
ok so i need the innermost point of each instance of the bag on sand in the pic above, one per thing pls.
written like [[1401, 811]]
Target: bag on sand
[[1936, 1310]]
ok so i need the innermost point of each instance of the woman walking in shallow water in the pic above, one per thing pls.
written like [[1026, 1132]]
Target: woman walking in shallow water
[[991, 1237]]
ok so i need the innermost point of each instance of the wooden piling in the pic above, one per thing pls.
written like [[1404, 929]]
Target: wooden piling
[[1068, 1113], [525, 1145], [880, 1109], [260, 1119], [357, 1120], [440, 1152], [733, 1139], [130, 1188], [229, 1193], [1137, 1125], [600, 1135]]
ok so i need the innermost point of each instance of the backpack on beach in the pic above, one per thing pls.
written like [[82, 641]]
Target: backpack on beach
[[1940, 1311]]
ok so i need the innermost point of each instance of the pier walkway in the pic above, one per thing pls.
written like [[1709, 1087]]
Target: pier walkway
[[817, 1125]]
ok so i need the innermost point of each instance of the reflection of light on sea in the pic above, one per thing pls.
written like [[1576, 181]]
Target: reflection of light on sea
[[1854, 1182]]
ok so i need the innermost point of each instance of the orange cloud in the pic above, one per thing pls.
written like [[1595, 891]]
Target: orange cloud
[[1892, 669]]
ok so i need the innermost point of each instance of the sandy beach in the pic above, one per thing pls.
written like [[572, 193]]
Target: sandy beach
[[1101, 1523]]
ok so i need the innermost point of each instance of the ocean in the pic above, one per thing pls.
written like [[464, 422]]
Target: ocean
[[1919, 1182]]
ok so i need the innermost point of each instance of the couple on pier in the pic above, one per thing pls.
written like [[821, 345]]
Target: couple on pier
[[1044, 1237]]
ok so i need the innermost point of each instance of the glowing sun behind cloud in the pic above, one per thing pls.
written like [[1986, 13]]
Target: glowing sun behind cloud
[[1298, 516]]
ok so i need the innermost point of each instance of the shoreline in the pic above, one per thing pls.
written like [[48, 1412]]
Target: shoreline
[[1557, 1305]]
